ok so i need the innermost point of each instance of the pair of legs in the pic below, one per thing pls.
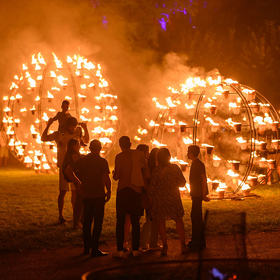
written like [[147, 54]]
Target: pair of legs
[[78, 210], [128, 202], [93, 210], [5, 161], [4, 153], [61, 201], [64, 186], [150, 228], [180, 229], [197, 221]]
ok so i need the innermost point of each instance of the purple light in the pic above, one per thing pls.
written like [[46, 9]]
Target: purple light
[[104, 21], [163, 22]]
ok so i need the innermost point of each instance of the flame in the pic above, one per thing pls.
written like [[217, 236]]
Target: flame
[[69, 59], [53, 75], [142, 131], [27, 159], [32, 82], [61, 79], [41, 59], [37, 67], [170, 102], [45, 117], [84, 110], [211, 121], [105, 140], [187, 141], [230, 81], [18, 96], [158, 144], [57, 61], [50, 95], [13, 86], [232, 174], [214, 82], [32, 129], [152, 123], [46, 166], [216, 157], [240, 140], [113, 118], [34, 60]]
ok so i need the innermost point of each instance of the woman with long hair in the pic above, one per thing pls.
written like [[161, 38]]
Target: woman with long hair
[[72, 155], [165, 197]]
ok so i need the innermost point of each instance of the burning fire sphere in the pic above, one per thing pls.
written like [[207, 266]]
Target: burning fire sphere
[[37, 94], [235, 126]]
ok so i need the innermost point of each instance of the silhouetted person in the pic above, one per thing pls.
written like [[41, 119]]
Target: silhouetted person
[[61, 139], [63, 116], [72, 155], [128, 171], [166, 203], [198, 192], [4, 151], [93, 179]]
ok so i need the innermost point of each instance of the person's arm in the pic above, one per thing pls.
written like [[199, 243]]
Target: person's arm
[[85, 137], [56, 117], [107, 182], [75, 157], [117, 170], [45, 136], [204, 188], [72, 176]]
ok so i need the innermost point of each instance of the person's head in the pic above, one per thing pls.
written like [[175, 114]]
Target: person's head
[[152, 160], [65, 105], [95, 146], [144, 148], [163, 157], [71, 124], [124, 142], [193, 152], [73, 146]]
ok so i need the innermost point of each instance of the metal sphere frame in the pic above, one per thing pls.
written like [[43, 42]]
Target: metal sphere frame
[[237, 88], [108, 91]]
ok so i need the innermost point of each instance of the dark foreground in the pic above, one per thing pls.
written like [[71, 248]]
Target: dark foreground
[[226, 253]]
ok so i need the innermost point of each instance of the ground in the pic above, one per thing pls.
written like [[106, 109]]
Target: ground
[[68, 263]]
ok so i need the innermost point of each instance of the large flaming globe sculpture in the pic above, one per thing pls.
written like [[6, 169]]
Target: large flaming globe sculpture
[[235, 127], [37, 94]]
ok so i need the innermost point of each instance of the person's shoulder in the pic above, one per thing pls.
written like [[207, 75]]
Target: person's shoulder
[[119, 155], [55, 134], [138, 153], [200, 162]]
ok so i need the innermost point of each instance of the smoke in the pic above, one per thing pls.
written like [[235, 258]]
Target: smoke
[[70, 27]]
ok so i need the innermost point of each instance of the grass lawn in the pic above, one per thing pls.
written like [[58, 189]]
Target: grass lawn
[[29, 215]]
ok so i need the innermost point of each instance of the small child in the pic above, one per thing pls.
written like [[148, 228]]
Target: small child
[[63, 116]]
